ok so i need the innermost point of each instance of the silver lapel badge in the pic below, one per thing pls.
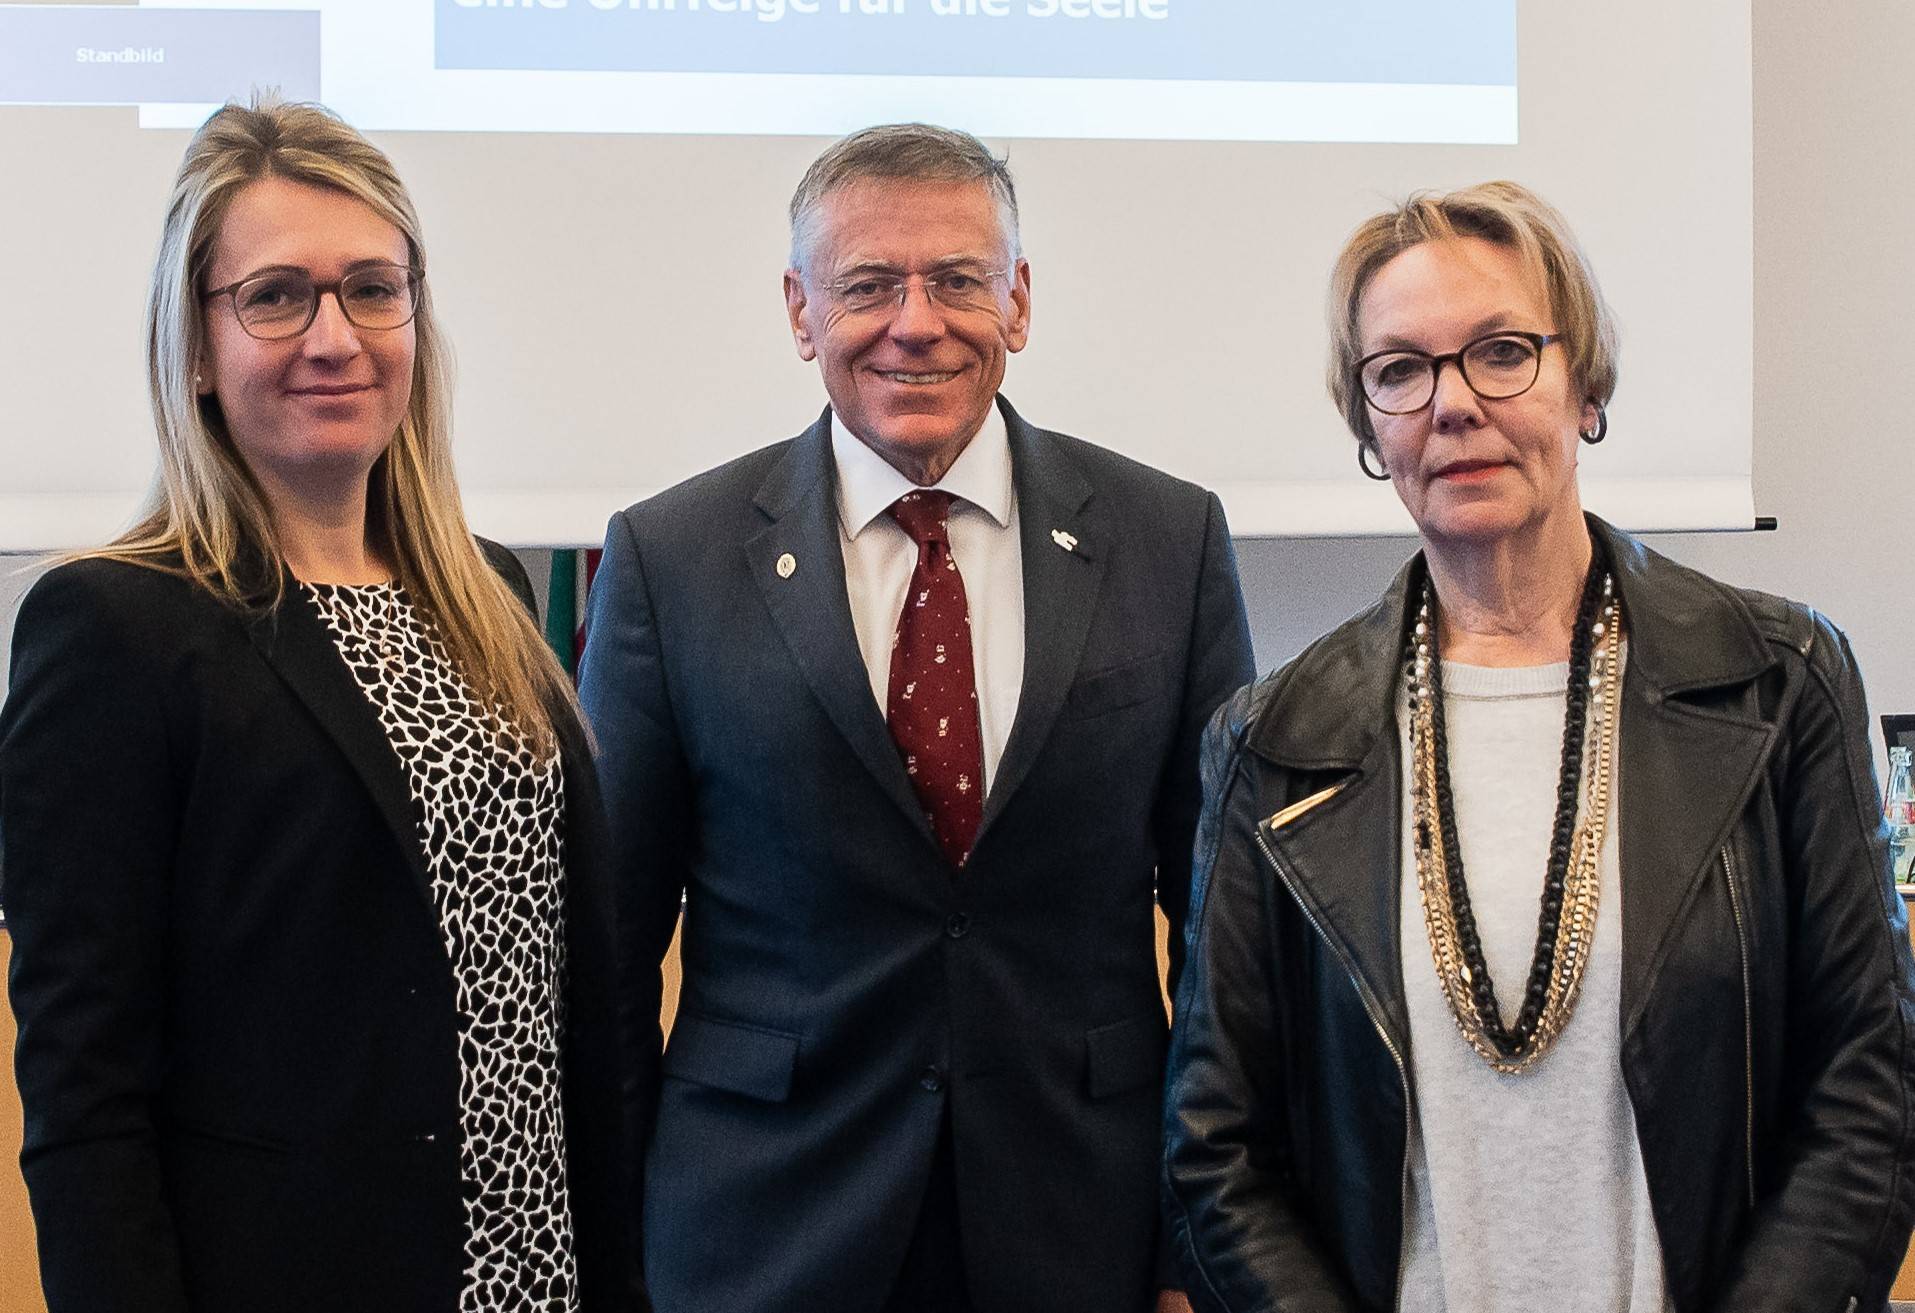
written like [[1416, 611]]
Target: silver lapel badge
[[1067, 541]]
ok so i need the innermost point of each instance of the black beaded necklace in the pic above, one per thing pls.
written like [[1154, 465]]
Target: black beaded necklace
[[1513, 1041]]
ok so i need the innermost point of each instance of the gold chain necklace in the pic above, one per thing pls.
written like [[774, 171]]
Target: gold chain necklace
[[1576, 925]]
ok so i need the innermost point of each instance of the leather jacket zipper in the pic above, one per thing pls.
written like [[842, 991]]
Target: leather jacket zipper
[[1748, 1027], [1376, 1020]]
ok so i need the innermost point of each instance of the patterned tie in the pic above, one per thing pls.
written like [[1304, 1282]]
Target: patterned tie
[[932, 707]]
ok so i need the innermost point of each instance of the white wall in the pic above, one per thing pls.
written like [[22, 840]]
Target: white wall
[[1834, 281]]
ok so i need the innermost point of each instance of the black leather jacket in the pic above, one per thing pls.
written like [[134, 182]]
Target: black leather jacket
[[1768, 995]]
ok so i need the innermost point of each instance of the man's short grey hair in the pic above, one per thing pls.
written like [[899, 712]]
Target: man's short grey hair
[[901, 152]]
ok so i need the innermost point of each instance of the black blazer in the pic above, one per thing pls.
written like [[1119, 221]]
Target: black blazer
[[237, 1037], [843, 988]]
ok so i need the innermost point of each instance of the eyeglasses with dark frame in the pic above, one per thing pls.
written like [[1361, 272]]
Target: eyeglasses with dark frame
[[959, 288], [1495, 367], [282, 303]]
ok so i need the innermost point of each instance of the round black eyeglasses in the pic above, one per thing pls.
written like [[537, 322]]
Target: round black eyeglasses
[[1495, 367]]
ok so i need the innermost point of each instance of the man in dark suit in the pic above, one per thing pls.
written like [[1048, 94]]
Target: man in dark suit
[[907, 709]]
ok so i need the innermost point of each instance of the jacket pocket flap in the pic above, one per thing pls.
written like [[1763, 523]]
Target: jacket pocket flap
[[1126, 1054], [758, 1064], [1119, 686]]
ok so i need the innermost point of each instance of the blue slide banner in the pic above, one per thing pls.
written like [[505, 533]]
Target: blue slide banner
[[125, 55], [1444, 42]]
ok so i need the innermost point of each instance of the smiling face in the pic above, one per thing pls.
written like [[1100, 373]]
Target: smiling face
[[308, 414], [912, 382], [1470, 470]]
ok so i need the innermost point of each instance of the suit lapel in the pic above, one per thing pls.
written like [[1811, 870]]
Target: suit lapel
[[1339, 844], [1687, 764], [1685, 775], [1336, 851], [812, 611], [1060, 595], [297, 645]]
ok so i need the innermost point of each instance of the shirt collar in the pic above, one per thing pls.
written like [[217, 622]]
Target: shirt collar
[[867, 484]]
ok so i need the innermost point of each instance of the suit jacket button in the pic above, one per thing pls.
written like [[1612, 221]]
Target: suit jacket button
[[959, 925], [932, 1079]]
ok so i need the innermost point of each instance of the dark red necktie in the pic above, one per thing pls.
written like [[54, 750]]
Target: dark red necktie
[[932, 707]]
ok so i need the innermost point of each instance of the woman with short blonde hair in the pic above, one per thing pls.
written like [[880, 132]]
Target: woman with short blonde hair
[[1543, 953], [1506, 214]]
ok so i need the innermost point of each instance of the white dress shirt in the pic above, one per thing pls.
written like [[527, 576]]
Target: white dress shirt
[[879, 557]]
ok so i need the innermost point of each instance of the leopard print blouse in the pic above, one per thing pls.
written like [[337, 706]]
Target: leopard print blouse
[[489, 812]]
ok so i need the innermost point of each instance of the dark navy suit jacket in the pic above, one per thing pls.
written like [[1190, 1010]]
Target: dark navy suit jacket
[[843, 986]]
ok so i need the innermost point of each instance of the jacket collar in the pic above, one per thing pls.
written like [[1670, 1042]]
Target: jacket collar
[[295, 642], [293, 638], [798, 563], [809, 606], [1055, 507], [1686, 633], [1687, 766]]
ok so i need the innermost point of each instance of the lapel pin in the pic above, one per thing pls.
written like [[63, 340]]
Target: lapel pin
[[1067, 541], [787, 566]]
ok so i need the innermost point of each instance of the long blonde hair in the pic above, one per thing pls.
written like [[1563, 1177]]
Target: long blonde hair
[[207, 517]]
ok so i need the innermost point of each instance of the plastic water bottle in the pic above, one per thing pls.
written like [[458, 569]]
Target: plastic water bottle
[[1898, 805]]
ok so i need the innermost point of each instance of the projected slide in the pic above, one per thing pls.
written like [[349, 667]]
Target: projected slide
[[1260, 70]]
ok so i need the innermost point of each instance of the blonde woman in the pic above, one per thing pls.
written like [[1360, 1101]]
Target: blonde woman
[[1545, 955], [311, 944]]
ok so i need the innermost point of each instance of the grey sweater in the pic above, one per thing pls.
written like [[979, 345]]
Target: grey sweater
[[1523, 1192]]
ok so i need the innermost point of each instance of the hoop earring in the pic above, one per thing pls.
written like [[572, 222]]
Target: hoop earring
[[1380, 474], [1601, 430]]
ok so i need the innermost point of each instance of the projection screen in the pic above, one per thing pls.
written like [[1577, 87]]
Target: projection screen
[[603, 184]]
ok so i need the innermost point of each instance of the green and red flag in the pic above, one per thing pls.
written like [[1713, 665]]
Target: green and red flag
[[571, 583]]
